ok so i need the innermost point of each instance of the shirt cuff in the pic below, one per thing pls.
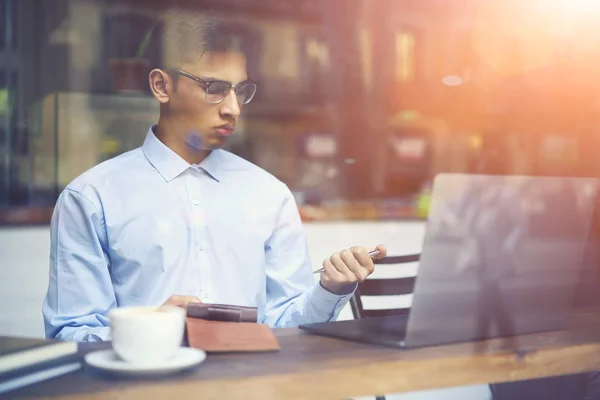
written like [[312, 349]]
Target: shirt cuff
[[330, 304], [100, 334], [350, 289]]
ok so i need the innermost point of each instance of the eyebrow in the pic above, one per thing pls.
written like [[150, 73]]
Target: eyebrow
[[212, 78]]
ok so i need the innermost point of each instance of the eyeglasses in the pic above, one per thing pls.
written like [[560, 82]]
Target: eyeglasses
[[216, 91]]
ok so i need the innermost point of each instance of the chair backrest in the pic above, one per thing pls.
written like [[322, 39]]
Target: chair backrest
[[384, 287]]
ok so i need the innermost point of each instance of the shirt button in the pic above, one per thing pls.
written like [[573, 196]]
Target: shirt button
[[196, 202], [204, 295]]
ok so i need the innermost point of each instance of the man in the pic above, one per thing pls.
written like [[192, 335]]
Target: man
[[180, 220]]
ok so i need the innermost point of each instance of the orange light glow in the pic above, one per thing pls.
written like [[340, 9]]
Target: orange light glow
[[513, 37]]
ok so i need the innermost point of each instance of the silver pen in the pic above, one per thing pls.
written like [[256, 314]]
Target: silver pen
[[371, 254]]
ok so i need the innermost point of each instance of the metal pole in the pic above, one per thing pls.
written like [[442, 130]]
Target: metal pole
[[8, 69], [341, 20]]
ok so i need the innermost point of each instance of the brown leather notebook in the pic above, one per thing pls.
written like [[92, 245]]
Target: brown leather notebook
[[224, 328]]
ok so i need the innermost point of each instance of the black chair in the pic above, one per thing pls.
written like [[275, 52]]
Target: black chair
[[384, 287]]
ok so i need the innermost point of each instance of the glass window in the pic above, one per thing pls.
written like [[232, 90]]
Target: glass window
[[426, 90], [405, 56], [9, 21]]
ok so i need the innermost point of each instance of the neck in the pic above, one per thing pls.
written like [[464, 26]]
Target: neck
[[167, 133]]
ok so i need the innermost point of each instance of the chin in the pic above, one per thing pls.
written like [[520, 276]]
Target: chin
[[217, 142], [196, 141]]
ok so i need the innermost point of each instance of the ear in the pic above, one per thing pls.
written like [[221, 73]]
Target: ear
[[161, 85]]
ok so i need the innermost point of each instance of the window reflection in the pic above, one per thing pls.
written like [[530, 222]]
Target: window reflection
[[405, 56], [404, 89]]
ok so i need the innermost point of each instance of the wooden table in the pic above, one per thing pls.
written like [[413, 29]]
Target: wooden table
[[315, 367]]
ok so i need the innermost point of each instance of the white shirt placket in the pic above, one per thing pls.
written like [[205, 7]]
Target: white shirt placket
[[198, 223]]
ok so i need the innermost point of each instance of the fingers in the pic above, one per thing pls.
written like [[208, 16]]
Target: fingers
[[348, 267], [331, 271], [364, 259], [332, 279], [181, 301], [382, 252], [355, 260]]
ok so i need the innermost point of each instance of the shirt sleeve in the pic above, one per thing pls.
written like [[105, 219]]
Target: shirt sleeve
[[293, 296], [80, 290]]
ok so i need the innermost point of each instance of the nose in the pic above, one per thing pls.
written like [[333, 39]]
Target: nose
[[230, 107]]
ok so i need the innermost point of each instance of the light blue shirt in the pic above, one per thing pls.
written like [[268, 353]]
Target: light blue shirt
[[146, 225]]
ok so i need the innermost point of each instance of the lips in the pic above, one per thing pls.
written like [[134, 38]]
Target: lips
[[224, 130]]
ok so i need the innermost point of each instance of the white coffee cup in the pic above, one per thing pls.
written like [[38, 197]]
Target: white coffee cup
[[146, 335]]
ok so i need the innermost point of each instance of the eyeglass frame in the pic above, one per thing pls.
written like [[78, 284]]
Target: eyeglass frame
[[206, 84]]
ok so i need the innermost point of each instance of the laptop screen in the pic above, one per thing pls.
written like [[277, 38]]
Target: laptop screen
[[502, 256]]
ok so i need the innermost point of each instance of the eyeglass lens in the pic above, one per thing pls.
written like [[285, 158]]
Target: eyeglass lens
[[218, 90]]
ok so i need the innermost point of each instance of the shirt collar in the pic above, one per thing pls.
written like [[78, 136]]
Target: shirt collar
[[170, 165], [212, 165]]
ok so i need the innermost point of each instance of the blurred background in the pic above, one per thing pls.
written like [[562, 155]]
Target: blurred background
[[360, 102]]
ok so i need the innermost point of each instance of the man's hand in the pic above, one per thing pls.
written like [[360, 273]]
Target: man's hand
[[181, 301], [348, 267]]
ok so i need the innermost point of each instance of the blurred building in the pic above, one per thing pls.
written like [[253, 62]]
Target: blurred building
[[79, 90], [367, 103]]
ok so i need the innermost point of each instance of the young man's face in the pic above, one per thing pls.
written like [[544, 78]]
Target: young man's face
[[200, 123]]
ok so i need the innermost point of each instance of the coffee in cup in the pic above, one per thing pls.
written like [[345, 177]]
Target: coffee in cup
[[146, 335]]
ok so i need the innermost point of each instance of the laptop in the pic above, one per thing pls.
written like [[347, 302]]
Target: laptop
[[502, 256]]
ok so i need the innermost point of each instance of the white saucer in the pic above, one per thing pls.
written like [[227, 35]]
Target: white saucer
[[108, 360]]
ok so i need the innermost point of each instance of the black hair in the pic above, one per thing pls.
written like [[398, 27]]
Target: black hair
[[188, 35]]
